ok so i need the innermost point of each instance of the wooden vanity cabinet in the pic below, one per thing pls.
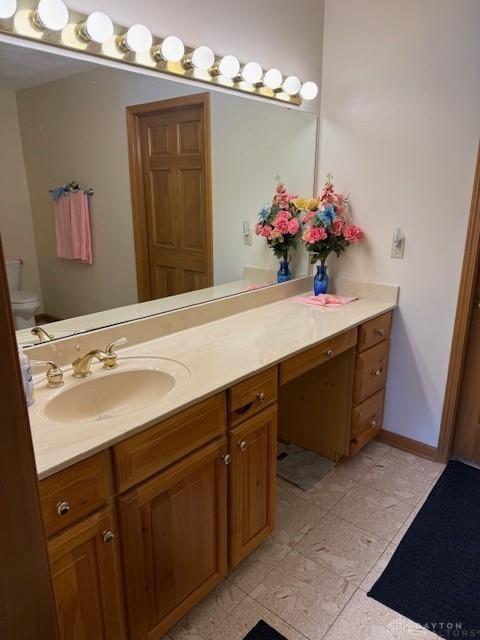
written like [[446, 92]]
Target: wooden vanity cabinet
[[86, 580], [371, 364], [174, 540], [252, 486]]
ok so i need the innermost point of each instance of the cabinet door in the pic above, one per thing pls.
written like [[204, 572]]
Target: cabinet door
[[174, 540], [86, 580], [253, 447]]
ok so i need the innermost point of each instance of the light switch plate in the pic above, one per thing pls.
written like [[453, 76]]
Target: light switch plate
[[398, 244]]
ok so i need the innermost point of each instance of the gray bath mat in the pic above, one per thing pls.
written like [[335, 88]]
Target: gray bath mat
[[302, 468]]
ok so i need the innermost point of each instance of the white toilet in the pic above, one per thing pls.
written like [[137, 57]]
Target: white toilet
[[24, 304]]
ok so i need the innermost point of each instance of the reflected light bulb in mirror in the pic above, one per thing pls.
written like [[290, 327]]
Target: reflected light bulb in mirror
[[203, 58], [291, 85], [98, 27], [138, 39], [273, 79], [7, 9], [229, 66], [172, 49], [252, 73], [309, 90], [51, 14]]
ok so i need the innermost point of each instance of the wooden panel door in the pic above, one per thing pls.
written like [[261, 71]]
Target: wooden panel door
[[170, 167], [85, 572], [253, 447], [467, 430], [174, 537], [26, 595]]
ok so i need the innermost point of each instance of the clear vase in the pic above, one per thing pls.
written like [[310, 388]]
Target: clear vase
[[284, 274], [320, 281]]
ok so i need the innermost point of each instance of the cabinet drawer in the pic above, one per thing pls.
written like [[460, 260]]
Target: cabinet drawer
[[145, 454], [370, 371], [75, 492], [367, 419], [374, 331], [251, 396], [315, 356]]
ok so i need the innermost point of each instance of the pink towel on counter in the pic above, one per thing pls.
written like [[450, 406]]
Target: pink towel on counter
[[72, 227], [325, 300]]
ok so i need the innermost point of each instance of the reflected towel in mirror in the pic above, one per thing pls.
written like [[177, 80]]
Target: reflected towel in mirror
[[72, 227]]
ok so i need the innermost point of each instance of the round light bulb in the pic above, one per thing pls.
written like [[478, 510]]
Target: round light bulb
[[138, 38], [203, 58], [172, 49], [7, 9], [52, 14], [309, 90], [252, 72], [291, 85], [229, 66], [273, 79], [98, 27]]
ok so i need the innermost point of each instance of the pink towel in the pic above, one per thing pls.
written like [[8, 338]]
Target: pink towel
[[325, 300], [72, 227]]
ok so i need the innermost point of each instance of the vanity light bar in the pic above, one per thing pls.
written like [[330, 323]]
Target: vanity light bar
[[51, 22]]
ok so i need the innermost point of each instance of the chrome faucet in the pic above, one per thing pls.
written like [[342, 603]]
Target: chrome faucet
[[82, 365], [41, 334]]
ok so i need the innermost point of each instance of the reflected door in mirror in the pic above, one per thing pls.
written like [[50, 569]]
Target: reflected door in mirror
[[172, 204]]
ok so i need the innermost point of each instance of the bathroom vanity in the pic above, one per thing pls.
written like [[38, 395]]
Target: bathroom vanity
[[142, 527]]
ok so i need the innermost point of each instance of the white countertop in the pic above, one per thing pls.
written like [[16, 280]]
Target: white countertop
[[217, 355]]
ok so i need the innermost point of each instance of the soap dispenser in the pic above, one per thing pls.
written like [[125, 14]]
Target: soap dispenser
[[27, 378]]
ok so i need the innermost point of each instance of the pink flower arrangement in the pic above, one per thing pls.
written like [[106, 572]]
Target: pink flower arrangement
[[325, 228], [279, 222]]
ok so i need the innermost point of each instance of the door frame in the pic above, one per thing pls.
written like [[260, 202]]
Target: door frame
[[137, 184], [471, 264], [26, 591]]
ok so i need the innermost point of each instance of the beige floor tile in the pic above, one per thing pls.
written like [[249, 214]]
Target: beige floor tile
[[356, 467], [376, 449], [411, 461], [342, 547], [327, 492], [245, 617], [203, 619], [378, 568], [404, 482], [305, 594], [366, 619], [374, 511], [295, 518]]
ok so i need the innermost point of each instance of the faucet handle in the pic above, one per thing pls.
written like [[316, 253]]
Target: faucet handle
[[111, 360], [41, 334], [54, 373]]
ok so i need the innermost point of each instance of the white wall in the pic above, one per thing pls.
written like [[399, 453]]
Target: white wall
[[75, 129], [281, 33], [400, 128], [16, 224]]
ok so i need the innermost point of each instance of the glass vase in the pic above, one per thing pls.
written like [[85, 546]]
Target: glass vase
[[320, 281], [284, 274]]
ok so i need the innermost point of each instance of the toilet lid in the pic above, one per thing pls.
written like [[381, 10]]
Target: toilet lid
[[23, 297]]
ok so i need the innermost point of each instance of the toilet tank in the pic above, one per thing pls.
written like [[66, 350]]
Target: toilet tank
[[14, 267]]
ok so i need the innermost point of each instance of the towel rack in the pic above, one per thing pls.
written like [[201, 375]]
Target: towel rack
[[70, 187]]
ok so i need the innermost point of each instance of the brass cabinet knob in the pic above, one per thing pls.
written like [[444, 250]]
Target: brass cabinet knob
[[378, 372], [227, 458], [243, 445], [380, 332], [329, 353], [373, 423], [261, 396], [63, 508], [108, 537]]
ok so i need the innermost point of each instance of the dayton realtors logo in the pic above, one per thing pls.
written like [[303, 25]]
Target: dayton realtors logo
[[403, 629]]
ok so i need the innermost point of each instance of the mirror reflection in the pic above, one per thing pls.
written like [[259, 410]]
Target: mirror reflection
[[126, 195]]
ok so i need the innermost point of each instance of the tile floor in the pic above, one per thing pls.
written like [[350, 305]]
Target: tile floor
[[309, 580]]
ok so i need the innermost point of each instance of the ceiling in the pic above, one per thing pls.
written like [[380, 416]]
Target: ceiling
[[22, 68]]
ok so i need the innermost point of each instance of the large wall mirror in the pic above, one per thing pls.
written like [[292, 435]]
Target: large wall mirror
[[172, 191]]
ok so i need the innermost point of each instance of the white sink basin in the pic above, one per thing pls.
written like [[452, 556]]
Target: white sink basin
[[134, 385]]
